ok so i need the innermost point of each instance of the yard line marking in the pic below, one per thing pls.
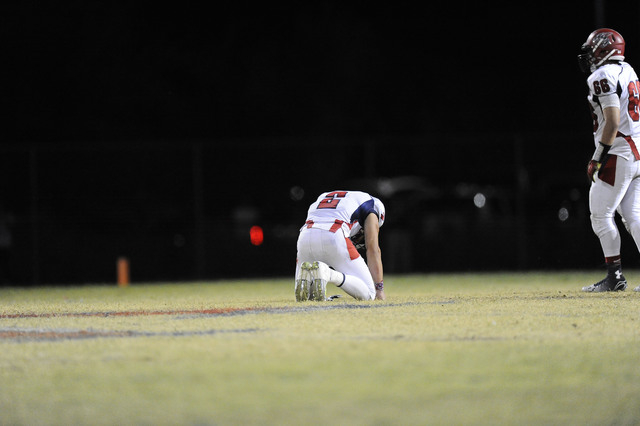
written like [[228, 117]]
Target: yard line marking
[[62, 334], [46, 334], [219, 311]]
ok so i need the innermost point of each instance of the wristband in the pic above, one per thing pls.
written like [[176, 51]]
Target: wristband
[[379, 286], [601, 151]]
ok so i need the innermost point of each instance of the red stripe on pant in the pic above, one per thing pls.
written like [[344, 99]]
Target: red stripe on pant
[[353, 251], [632, 145], [336, 225]]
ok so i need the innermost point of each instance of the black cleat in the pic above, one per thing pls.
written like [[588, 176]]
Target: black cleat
[[615, 282]]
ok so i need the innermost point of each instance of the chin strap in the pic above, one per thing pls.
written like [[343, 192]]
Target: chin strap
[[603, 60]]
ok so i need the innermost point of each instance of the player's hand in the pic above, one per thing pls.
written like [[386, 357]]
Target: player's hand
[[592, 168], [380, 295]]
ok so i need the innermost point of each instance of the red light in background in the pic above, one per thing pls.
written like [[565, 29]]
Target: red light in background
[[256, 235]]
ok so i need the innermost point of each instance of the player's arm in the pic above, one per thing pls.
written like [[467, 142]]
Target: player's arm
[[374, 254], [611, 114], [611, 122]]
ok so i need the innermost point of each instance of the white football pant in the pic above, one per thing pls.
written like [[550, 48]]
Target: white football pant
[[331, 248], [623, 197]]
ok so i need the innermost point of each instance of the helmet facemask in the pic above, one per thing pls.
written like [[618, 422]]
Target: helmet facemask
[[586, 60]]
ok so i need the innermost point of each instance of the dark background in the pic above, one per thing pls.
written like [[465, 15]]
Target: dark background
[[163, 132]]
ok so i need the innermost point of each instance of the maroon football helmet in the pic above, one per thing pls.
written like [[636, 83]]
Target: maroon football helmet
[[602, 45]]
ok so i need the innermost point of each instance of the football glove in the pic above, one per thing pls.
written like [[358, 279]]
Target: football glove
[[592, 168], [598, 160]]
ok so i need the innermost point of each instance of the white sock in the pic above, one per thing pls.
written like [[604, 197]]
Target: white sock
[[336, 277]]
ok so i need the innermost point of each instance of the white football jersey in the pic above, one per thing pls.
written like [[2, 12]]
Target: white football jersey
[[351, 208], [621, 80]]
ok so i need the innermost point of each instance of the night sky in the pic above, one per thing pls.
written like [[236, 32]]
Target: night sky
[[103, 71], [151, 130]]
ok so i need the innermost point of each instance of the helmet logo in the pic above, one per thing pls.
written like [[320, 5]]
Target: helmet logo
[[601, 40]]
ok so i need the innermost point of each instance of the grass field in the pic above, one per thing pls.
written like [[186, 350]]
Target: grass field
[[525, 348]]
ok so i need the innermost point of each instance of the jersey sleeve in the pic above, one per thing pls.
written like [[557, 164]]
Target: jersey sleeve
[[609, 100], [361, 213]]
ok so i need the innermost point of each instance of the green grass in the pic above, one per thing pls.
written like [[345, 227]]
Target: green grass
[[524, 348]]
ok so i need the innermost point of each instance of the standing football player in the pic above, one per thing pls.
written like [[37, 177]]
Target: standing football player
[[614, 170], [326, 252]]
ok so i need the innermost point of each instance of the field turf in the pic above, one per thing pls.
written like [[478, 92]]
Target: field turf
[[505, 348]]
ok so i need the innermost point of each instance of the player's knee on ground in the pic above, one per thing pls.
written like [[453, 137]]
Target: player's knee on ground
[[356, 288]]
